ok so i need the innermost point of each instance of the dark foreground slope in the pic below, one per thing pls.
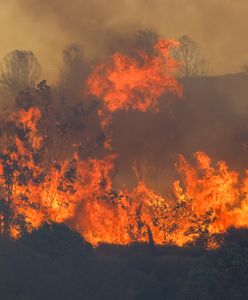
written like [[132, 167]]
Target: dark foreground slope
[[55, 263]]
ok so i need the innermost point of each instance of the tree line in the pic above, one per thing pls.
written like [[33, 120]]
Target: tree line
[[21, 69]]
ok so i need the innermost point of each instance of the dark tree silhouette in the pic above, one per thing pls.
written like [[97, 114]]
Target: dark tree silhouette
[[190, 58], [19, 70], [74, 72], [142, 40]]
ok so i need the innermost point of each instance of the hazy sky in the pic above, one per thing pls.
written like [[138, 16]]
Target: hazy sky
[[47, 26]]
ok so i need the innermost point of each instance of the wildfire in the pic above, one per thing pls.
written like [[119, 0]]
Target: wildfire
[[123, 82], [206, 199]]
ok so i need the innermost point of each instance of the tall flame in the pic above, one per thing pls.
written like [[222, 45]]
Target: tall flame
[[206, 198], [124, 82]]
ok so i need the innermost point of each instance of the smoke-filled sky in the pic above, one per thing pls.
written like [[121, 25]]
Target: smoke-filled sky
[[47, 26]]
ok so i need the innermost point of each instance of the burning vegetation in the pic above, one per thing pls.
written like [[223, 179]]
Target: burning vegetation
[[51, 171]]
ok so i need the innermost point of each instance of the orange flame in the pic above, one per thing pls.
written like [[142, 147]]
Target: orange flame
[[80, 193], [207, 198], [124, 82]]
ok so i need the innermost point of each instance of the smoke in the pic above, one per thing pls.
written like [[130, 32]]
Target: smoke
[[94, 24], [46, 27], [212, 118]]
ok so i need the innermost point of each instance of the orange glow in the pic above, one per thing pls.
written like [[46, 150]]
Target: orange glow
[[123, 82], [80, 193], [206, 198]]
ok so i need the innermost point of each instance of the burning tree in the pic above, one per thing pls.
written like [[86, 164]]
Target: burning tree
[[20, 167], [36, 184], [28, 174], [124, 82]]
